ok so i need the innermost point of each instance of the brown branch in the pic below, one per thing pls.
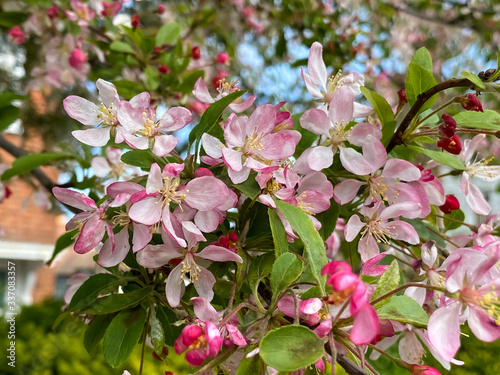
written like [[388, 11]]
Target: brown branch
[[349, 366]]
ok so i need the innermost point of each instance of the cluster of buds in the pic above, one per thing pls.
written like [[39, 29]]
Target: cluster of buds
[[449, 140], [451, 204]]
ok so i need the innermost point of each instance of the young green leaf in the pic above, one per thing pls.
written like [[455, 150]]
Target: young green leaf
[[95, 332], [168, 33], [474, 79], [8, 115], [167, 319], [388, 281], [122, 335], [121, 47], [156, 333], [94, 286], [314, 246], [380, 105], [285, 271], [441, 157], [25, 164], [117, 302], [488, 120], [423, 58], [405, 310], [279, 234], [418, 81], [290, 348]]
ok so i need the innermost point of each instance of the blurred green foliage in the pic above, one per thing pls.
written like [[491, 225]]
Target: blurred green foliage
[[41, 351]]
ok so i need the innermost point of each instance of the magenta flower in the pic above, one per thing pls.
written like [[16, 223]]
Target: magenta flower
[[377, 228], [153, 203], [311, 310], [154, 256], [200, 343], [479, 169], [347, 286], [251, 143], [333, 127], [17, 35], [92, 222], [203, 95], [143, 131], [472, 276]]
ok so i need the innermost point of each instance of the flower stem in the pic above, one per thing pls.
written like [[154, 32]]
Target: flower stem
[[417, 285]]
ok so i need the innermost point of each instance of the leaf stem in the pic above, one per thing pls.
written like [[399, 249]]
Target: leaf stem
[[408, 285]]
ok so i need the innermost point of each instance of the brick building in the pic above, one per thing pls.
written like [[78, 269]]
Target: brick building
[[29, 235]]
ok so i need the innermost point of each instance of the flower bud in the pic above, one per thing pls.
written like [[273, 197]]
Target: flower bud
[[135, 20], [196, 53], [52, 12], [423, 370], [402, 96], [222, 58], [451, 204], [17, 35], [448, 127], [161, 8], [77, 58], [163, 69], [471, 103], [451, 144]]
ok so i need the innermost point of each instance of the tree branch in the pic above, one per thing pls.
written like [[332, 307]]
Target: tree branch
[[397, 138], [349, 366]]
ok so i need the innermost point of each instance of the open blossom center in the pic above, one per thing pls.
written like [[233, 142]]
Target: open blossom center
[[226, 88], [272, 186], [481, 170], [170, 193], [121, 219], [338, 297], [190, 267], [381, 190], [338, 134], [380, 232], [200, 342], [253, 143], [489, 301], [304, 206], [107, 115], [332, 85], [150, 127]]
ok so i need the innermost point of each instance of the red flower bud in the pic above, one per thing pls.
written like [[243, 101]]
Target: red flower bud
[[163, 69], [233, 237], [402, 96], [423, 370], [77, 58], [224, 242], [157, 357], [451, 144], [17, 35], [471, 103], [52, 12], [222, 58], [451, 204], [161, 8], [448, 127], [135, 20], [195, 52]]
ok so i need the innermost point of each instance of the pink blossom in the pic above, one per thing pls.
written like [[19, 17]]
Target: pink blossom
[[376, 227], [333, 127], [77, 58], [91, 223], [473, 277], [17, 35], [153, 203], [199, 342], [347, 286], [154, 256], [203, 95], [479, 169], [311, 310], [250, 143], [142, 130], [111, 9], [429, 191], [80, 13]]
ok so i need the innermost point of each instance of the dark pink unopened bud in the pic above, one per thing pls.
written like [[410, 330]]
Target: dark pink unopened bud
[[135, 20], [52, 12], [402, 96], [423, 370], [451, 144], [195, 52], [161, 8], [471, 103], [451, 204], [224, 241], [163, 69], [448, 127], [222, 58], [233, 237], [17, 35], [77, 58]]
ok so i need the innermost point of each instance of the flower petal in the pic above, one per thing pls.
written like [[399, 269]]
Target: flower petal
[[81, 110], [97, 137]]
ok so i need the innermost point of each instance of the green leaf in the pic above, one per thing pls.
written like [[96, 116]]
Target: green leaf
[[497, 73], [405, 310], [380, 105], [328, 220], [250, 187], [7, 97], [488, 120], [314, 246], [474, 79], [94, 286], [188, 81], [455, 215], [11, 19], [157, 334], [423, 58], [170, 331], [260, 267], [168, 33], [388, 281], [441, 157], [142, 159], [387, 132], [249, 366], [116, 302], [152, 78], [95, 332], [285, 271], [211, 115], [8, 115], [121, 47], [122, 334], [279, 234], [128, 89], [27, 163], [290, 348], [418, 81], [314, 292], [62, 243]]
